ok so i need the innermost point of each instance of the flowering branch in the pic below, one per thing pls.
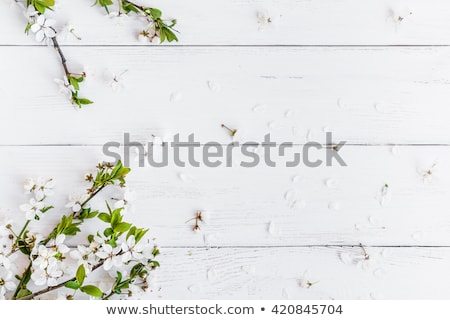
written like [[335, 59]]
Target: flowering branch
[[116, 248], [157, 30], [48, 289]]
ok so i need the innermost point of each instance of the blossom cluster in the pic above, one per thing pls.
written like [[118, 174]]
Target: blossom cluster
[[119, 250]]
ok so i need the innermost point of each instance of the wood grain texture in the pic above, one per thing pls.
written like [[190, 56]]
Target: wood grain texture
[[350, 67], [275, 273], [306, 206], [364, 95], [225, 22]]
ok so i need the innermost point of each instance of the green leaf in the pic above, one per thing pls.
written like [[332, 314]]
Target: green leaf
[[108, 232], [47, 3], [131, 232], [104, 217], [28, 27], [39, 7], [74, 83], [139, 234], [23, 292], [162, 34], [44, 210], [85, 101], [92, 291], [72, 285], [72, 230], [116, 217], [122, 227], [155, 13], [156, 264], [169, 35], [81, 274], [92, 215]]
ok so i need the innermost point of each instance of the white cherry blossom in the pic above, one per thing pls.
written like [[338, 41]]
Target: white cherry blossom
[[75, 201], [44, 188], [110, 255], [58, 244], [132, 250], [6, 282], [65, 88], [32, 209], [43, 28]]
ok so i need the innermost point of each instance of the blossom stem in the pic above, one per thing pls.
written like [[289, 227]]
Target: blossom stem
[[23, 281], [62, 284], [61, 55], [27, 273], [22, 231]]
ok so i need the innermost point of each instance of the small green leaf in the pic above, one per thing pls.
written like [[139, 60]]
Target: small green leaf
[[85, 101], [44, 210], [104, 217], [92, 215], [71, 231], [74, 82], [72, 285], [47, 3], [122, 227], [81, 274], [23, 292], [92, 291], [108, 232], [155, 13], [39, 7]]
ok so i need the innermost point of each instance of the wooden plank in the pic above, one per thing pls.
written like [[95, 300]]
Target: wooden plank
[[275, 273], [235, 22], [364, 96], [263, 206]]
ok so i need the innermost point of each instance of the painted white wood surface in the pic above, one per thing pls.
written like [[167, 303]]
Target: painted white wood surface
[[370, 85], [235, 22], [363, 95], [242, 202]]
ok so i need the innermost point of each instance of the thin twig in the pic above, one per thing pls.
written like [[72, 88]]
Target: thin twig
[[61, 55], [62, 284]]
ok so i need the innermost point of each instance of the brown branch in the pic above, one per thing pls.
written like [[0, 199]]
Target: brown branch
[[62, 284], [61, 55]]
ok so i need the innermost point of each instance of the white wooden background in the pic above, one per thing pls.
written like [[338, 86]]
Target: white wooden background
[[348, 66]]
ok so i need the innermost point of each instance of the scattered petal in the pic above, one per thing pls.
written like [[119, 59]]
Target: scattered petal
[[259, 108], [331, 183], [341, 104], [213, 86], [346, 258], [309, 136], [176, 97], [379, 273], [194, 288], [212, 274], [285, 294], [273, 229], [289, 114], [334, 205], [249, 269]]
